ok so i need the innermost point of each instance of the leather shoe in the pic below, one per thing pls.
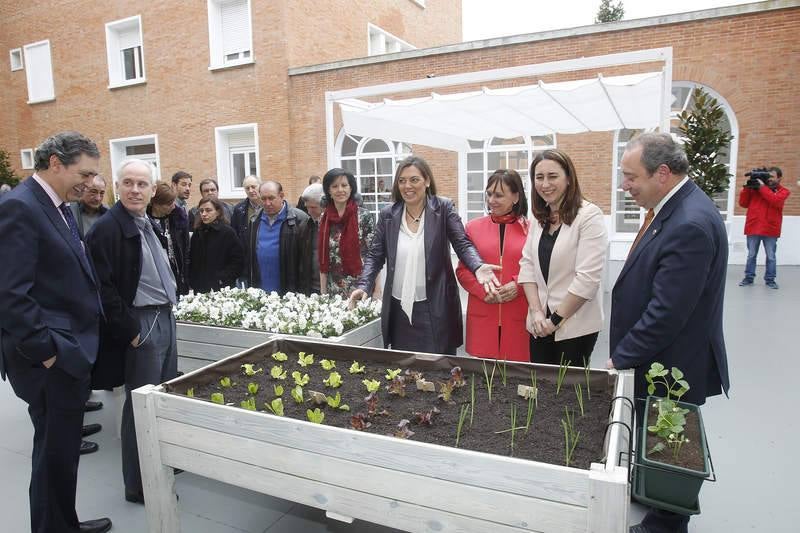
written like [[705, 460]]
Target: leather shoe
[[90, 429], [93, 406], [88, 446], [100, 525]]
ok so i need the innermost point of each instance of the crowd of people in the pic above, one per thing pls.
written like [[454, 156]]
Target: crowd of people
[[87, 295]]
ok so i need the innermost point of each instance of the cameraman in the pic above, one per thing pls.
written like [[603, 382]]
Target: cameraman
[[764, 203]]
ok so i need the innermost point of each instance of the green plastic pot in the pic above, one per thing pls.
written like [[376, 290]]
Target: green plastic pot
[[675, 487]]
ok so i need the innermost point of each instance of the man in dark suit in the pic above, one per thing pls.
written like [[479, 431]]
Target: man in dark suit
[[49, 318], [667, 301]]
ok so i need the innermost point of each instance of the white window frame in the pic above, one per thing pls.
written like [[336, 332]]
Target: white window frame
[[420, 3], [30, 72], [217, 59], [117, 154], [16, 59], [26, 158], [397, 44], [114, 53], [225, 158]]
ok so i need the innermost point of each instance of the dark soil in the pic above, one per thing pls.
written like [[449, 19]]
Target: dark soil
[[544, 441], [690, 454]]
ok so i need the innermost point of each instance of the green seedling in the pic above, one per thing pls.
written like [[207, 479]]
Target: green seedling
[[529, 418], [280, 357], [461, 417], [297, 394], [489, 379], [355, 368], [278, 390], [397, 387], [586, 371], [277, 372], [249, 369], [217, 397], [533, 384], [471, 399], [336, 402], [334, 380], [305, 360], [275, 406], [252, 388], [446, 391], [327, 364], [579, 396], [190, 392], [562, 372], [513, 425], [225, 382], [249, 404], [402, 431], [571, 437], [315, 416], [301, 380], [670, 419], [391, 374], [372, 385], [504, 371]]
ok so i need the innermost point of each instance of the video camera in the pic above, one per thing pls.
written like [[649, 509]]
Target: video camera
[[755, 175]]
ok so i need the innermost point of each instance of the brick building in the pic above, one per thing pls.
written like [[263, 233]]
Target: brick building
[[268, 112]]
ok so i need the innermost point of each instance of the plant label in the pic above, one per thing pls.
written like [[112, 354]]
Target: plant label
[[526, 391], [426, 386]]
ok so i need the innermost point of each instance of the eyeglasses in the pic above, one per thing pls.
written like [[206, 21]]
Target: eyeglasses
[[95, 192]]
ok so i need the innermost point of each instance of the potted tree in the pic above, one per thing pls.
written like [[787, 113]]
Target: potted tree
[[673, 459]]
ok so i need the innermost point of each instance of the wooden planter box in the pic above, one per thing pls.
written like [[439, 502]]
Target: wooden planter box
[[408, 485], [213, 343]]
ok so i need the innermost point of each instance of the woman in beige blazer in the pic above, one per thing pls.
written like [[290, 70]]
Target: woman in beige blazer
[[562, 264]]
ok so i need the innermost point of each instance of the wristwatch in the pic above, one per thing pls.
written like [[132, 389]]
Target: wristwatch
[[556, 319]]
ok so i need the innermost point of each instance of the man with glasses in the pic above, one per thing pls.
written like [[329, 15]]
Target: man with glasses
[[210, 189], [90, 207]]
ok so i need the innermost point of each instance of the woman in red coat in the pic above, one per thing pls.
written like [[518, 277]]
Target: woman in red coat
[[496, 323]]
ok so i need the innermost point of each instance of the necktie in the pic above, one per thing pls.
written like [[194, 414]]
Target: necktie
[[73, 225], [164, 272], [648, 218]]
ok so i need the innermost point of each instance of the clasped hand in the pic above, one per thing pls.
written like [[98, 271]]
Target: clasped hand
[[504, 294], [538, 325]]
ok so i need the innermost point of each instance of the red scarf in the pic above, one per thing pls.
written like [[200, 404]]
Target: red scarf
[[510, 218], [349, 247]]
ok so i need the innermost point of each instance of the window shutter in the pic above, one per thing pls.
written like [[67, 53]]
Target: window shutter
[[39, 72], [129, 38], [235, 27], [240, 140]]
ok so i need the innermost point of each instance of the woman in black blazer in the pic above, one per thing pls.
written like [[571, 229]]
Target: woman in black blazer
[[216, 256], [421, 306]]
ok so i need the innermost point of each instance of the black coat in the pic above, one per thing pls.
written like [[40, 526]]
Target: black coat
[[295, 275], [216, 258], [443, 228], [116, 247], [178, 224]]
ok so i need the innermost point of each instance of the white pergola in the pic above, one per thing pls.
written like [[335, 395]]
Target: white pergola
[[449, 121]]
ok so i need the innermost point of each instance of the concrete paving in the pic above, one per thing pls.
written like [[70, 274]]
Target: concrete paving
[[752, 437]]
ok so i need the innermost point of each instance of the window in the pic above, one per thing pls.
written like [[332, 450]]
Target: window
[[143, 147], [485, 157], [16, 58], [382, 42], [237, 157], [372, 162], [125, 53], [229, 33], [26, 155], [627, 217], [39, 73]]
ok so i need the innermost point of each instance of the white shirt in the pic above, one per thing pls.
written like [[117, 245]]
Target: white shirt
[[669, 195], [57, 201], [409, 243]]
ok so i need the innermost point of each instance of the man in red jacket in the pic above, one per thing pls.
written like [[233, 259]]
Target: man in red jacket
[[763, 224]]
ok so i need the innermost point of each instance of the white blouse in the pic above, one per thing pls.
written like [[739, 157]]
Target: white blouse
[[408, 284]]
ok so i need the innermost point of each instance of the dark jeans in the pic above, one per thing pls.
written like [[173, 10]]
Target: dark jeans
[[56, 401], [549, 351]]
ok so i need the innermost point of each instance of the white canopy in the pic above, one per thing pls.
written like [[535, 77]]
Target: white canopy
[[449, 121]]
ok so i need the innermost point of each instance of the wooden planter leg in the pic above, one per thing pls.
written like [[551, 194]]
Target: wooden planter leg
[[609, 498], [158, 480]]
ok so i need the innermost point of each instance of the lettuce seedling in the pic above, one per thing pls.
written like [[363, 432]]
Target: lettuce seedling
[[217, 397], [360, 422], [249, 369], [301, 380], [225, 382], [275, 406], [391, 374], [315, 416], [355, 368], [280, 357], [327, 364], [252, 388], [297, 394], [305, 360], [402, 431], [278, 390], [372, 403], [412, 376], [277, 372], [336, 402], [334, 380], [397, 386], [425, 418], [190, 392], [457, 377], [446, 391], [372, 385], [249, 404]]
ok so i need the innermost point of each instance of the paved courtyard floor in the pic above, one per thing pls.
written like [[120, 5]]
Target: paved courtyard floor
[[753, 438]]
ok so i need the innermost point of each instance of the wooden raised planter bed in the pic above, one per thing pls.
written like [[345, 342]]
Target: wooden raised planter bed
[[405, 484]]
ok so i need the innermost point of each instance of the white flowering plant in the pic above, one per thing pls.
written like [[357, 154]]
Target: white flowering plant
[[292, 314]]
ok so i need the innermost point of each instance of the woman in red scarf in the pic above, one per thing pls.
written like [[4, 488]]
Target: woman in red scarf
[[496, 322], [345, 230]]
